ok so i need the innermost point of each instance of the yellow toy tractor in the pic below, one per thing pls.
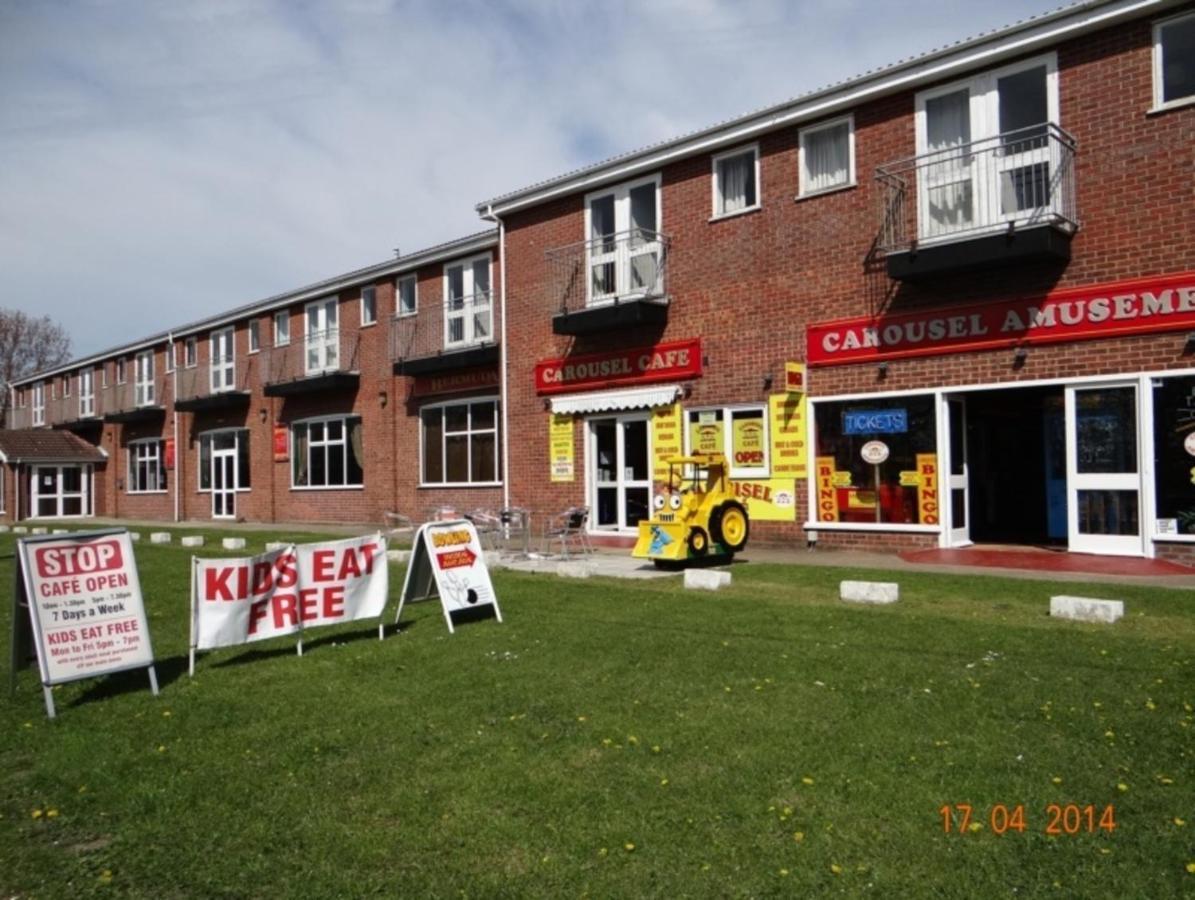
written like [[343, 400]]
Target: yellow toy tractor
[[696, 516]]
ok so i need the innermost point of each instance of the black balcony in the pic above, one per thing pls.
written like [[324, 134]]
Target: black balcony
[[133, 402], [218, 385], [323, 361], [439, 337]]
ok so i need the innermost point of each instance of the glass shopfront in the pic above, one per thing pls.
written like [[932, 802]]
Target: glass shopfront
[[1174, 454]]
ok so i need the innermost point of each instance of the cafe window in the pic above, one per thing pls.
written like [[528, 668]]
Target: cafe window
[[147, 466], [739, 433], [327, 453], [460, 443], [1174, 455], [849, 488]]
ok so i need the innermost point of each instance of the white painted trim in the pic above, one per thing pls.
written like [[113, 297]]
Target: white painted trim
[[499, 422], [290, 446]]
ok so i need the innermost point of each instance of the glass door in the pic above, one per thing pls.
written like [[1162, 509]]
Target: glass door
[[624, 249], [620, 472], [956, 423], [223, 367], [61, 491], [323, 337], [224, 481], [1103, 473]]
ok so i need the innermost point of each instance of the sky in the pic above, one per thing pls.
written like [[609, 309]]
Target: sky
[[165, 161]]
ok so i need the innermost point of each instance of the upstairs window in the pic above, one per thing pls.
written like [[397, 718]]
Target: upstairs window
[[736, 181], [624, 247], [408, 300], [1174, 61], [191, 352], [86, 393], [281, 328], [369, 305], [827, 156], [254, 335], [120, 373], [468, 315], [143, 388], [39, 403]]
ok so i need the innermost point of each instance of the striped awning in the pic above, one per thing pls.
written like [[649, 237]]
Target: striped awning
[[611, 401]]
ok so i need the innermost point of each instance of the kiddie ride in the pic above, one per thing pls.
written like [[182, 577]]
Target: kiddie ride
[[696, 517]]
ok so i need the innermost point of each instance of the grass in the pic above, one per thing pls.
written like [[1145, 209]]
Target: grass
[[622, 739]]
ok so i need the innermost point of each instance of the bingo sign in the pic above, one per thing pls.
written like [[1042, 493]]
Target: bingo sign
[[875, 421], [447, 561], [85, 607]]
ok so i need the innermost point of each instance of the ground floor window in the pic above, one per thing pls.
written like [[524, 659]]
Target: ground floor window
[[234, 441], [869, 455], [60, 491], [327, 453], [1174, 454], [147, 467], [739, 433], [460, 443]]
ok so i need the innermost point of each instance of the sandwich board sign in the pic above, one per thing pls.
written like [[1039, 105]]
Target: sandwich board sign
[[447, 562], [85, 609]]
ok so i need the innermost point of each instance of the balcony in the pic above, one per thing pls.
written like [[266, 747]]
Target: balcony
[[1004, 199], [74, 413], [221, 384], [320, 361], [134, 401], [612, 282], [458, 334]]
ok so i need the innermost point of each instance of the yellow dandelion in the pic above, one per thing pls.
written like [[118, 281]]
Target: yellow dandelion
[[1056, 780], [705, 867], [835, 868], [28, 725], [1149, 704], [603, 852], [1191, 868], [631, 739], [1096, 704], [581, 718], [629, 847], [51, 813], [1104, 851], [161, 748], [788, 811], [784, 873], [727, 688], [798, 836], [606, 742], [807, 780], [974, 827], [1179, 822], [655, 748], [37, 814], [165, 714], [1109, 733], [1122, 787], [663, 782], [106, 876]]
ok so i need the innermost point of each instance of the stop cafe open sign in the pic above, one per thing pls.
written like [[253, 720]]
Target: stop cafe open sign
[[85, 609]]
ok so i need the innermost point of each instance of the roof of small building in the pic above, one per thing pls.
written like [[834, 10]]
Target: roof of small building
[[46, 445]]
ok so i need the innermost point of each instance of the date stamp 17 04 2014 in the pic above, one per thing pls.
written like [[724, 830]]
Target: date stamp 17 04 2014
[[1001, 818]]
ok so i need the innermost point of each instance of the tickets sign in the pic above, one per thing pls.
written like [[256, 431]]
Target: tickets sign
[[239, 601], [447, 561]]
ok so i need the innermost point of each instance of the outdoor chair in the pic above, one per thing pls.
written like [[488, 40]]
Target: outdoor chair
[[516, 529], [569, 528], [398, 525], [488, 526]]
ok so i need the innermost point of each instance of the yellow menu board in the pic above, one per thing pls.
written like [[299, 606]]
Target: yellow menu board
[[665, 438], [747, 439], [560, 447], [705, 431], [790, 457]]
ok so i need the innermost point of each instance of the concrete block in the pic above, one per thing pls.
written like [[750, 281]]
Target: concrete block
[[192, 540], [234, 543], [60, 531], [4, 529], [276, 545], [706, 579], [19, 529], [39, 531], [1086, 609], [134, 536], [159, 537], [875, 592], [398, 556], [570, 569]]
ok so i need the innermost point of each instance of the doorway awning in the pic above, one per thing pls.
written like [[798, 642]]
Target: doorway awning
[[43, 445], [611, 401]]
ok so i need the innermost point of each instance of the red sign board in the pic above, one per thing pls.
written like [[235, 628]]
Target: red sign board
[[1143, 306], [466, 380], [281, 444], [638, 365], [169, 453]]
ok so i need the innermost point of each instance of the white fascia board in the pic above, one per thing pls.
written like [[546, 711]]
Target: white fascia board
[[935, 66]]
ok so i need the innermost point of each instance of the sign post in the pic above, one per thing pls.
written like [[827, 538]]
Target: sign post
[[83, 597], [447, 561], [875, 452]]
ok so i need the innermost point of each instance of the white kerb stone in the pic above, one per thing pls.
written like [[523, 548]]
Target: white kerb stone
[[19, 529], [398, 556], [134, 535], [3, 529], [574, 569], [234, 543], [40, 531], [276, 545], [1086, 609], [60, 531], [159, 537], [876, 592], [706, 579], [192, 540]]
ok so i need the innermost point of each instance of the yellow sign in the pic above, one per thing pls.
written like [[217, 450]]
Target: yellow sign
[[841, 479], [794, 377], [827, 493], [665, 438], [927, 492], [910, 479], [789, 453], [705, 431], [747, 439], [768, 499], [560, 447]]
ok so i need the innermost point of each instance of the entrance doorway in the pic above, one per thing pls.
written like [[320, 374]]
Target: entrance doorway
[[60, 491], [619, 472]]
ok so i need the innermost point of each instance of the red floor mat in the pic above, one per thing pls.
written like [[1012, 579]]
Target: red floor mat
[[1046, 561]]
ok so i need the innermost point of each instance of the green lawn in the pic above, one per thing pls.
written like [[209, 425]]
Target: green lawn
[[622, 739]]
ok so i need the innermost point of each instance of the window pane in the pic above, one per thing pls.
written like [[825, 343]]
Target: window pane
[[300, 445], [483, 415], [456, 451], [336, 473], [736, 182], [481, 278], [1108, 512], [205, 463], [456, 418], [601, 216], [1174, 454], [706, 433], [1178, 59], [456, 285], [1022, 99], [243, 459], [433, 446], [335, 430], [827, 157], [319, 465], [406, 295], [484, 455], [748, 440], [1106, 430], [643, 209], [368, 304], [356, 452]]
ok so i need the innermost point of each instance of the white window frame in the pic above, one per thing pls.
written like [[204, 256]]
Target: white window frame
[[191, 352], [344, 420], [103, 376], [152, 452], [802, 170], [222, 369], [726, 413], [122, 373], [171, 349], [622, 214], [719, 211], [86, 393], [399, 312], [39, 403], [326, 340], [469, 431], [470, 309], [143, 378], [282, 328], [371, 291], [199, 467], [66, 386], [254, 329], [1158, 83]]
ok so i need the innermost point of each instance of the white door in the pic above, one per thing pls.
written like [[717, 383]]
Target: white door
[[224, 482], [959, 501], [323, 337], [619, 472], [624, 248], [60, 491], [223, 367], [1103, 472]]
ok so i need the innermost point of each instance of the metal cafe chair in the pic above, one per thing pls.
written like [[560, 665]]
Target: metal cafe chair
[[568, 528], [516, 528], [398, 525], [488, 526]]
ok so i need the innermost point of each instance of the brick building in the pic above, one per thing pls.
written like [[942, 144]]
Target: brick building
[[950, 301]]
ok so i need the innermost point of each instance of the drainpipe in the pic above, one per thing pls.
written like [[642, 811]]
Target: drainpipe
[[178, 454], [502, 374]]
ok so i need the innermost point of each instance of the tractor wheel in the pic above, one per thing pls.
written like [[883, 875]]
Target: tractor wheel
[[699, 542], [729, 526]]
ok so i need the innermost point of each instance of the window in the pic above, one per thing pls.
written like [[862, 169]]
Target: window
[[468, 316], [460, 442], [143, 387], [739, 433], [147, 469], [254, 335], [86, 394], [191, 352], [104, 376], [369, 305], [66, 385], [408, 301], [852, 490], [224, 439], [736, 181], [120, 373], [222, 368], [323, 336], [625, 250], [827, 156], [327, 453], [171, 351], [281, 328], [39, 403], [1174, 455], [1174, 60]]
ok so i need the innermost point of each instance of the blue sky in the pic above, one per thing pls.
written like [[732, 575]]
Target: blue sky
[[160, 162]]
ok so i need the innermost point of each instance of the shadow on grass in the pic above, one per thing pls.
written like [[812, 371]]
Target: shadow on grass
[[169, 670], [309, 644]]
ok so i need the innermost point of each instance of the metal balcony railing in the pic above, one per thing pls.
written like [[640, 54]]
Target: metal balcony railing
[[615, 268], [314, 354], [461, 323], [217, 377], [1019, 179], [132, 395]]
